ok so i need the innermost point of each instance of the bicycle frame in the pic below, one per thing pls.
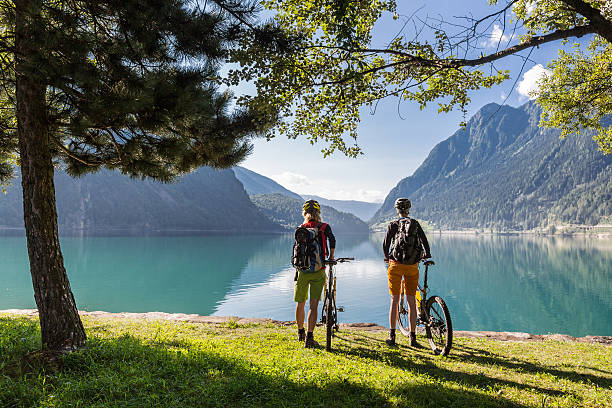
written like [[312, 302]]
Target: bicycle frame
[[421, 315], [329, 312]]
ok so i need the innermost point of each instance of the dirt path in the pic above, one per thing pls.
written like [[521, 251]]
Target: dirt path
[[194, 318]]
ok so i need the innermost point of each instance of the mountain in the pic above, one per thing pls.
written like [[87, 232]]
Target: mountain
[[504, 172], [205, 200], [255, 183], [288, 212], [361, 209]]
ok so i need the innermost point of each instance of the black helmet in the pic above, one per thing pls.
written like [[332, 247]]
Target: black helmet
[[311, 205], [402, 204]]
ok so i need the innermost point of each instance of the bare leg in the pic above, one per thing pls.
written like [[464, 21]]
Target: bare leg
[[412, 309], [312, 314], [299, 315], [393, 311]]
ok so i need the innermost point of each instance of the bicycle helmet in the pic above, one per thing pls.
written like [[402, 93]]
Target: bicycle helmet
[[402, 204], [311, 205]]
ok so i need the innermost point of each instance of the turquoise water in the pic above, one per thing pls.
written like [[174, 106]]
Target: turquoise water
[[502, 283]]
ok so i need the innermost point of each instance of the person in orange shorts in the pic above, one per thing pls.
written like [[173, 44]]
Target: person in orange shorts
[[405, 244]]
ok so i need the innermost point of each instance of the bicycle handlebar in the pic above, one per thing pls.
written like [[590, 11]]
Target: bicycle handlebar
[[335, 261], [428, 262]]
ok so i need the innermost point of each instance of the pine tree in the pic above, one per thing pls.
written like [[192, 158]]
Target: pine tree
[[127, 85]]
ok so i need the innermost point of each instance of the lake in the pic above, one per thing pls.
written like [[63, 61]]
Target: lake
[[502, 283]]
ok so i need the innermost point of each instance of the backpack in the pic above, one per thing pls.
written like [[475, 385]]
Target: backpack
[[308, 253], [407, 246]]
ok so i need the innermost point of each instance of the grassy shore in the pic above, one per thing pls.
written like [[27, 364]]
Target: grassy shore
[[138, 363]]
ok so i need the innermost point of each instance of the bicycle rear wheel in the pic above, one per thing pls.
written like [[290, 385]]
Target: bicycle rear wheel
[[403, 316], [439, 328]]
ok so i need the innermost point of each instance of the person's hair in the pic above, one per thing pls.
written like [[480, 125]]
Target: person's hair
[[403, 213], [311, 215]]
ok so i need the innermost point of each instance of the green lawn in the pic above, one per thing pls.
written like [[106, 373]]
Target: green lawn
[[130, 363]]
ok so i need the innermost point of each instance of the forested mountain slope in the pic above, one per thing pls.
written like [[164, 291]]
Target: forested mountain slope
[[288, 212], [361, 209], [205, 200], [255, 183], [504, 172]]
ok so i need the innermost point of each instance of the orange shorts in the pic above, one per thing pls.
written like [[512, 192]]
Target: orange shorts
[[410, 273]]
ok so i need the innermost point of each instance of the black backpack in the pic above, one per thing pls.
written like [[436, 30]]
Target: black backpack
[[407, 246]]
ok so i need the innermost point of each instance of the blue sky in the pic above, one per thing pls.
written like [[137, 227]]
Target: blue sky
[[399, 136]]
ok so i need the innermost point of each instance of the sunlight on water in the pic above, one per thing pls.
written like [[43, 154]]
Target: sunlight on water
[[504, 283]]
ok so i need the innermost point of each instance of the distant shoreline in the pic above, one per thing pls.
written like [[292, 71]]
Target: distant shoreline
[[194, 318], [594, 231], [589, 231]]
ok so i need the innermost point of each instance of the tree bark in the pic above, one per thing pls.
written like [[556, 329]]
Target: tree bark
[[60, 323]]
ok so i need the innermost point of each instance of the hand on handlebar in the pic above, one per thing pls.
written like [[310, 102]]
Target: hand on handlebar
[[428, 261], [333, 261]]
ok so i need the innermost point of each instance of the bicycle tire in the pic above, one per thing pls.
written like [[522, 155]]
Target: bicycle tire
[[403, 316], [324, 308], [439, 327], [329, 324]]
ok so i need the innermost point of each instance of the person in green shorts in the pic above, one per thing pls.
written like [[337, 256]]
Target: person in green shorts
[[312, 282]]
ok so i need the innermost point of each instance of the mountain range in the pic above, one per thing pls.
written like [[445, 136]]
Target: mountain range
[[362, 209], [503, 172], [287, 212], [205, 200], [256, 184]]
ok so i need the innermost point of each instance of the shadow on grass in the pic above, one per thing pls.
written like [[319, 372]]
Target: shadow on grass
[[477, 356], [126, 372], [421, 362]]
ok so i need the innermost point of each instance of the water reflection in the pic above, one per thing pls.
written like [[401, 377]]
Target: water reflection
[[534, 284], [503, 283]]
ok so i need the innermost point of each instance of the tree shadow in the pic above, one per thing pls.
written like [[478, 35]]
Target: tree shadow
[[487, 358], [129, 372], [421, 361]]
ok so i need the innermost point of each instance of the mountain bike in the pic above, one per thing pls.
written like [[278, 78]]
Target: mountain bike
[[432, 313], [329, 314]]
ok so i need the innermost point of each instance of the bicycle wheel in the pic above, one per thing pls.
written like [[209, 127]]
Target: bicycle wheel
[[403, 316], [329, 324], [324, 308], [439, 328]]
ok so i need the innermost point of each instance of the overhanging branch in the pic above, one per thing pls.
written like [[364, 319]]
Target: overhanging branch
[[412, 60], [602, 26]]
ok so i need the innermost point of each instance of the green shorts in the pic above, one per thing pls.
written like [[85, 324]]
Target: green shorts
[[316, 281]]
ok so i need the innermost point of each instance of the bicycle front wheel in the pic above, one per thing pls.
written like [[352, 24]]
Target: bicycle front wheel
[[329, 322], [439, 328]]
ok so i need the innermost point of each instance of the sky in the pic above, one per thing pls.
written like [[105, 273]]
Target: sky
[[397, 138]]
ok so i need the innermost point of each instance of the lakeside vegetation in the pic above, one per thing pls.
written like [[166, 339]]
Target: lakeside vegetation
[[137, 363]]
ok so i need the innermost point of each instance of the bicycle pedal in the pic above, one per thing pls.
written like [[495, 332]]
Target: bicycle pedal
[[340, 309]]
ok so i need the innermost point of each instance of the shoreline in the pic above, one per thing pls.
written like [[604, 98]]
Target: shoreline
[[194, 318]]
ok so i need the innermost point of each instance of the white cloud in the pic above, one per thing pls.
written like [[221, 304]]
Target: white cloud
[[529, 83], [292, 181], [304, 185], [503, 96], [359, 194], [497, 37]]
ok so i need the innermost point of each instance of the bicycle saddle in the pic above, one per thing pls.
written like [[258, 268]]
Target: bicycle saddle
[[429, 262]]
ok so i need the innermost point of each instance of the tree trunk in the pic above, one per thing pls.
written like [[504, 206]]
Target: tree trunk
[[60, 324]]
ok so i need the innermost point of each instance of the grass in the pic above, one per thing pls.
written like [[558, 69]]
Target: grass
[[129, 363]]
